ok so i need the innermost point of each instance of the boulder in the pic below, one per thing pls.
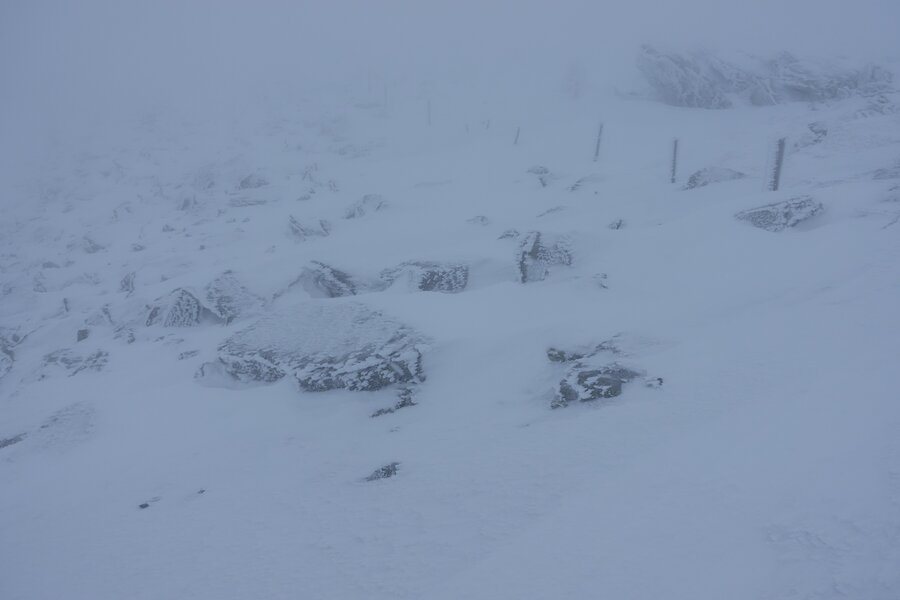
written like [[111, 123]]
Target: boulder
[[782, 215], [536, 254], [325, 346], [709, 175], [429, 276]]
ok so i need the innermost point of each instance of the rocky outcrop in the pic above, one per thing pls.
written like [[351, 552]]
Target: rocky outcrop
[[325, 346], [72, 363], [782, 215], [252, 182], [700, 80], [429, 276], [6, 357], [536, 254], [709, 175]]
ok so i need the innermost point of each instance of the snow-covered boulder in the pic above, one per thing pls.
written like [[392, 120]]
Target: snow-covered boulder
[[324, 346], [180, 308], [536, 253], [429, 276], [324, 281], [229, 299], [709, 175], [782, 215], [6, 357]]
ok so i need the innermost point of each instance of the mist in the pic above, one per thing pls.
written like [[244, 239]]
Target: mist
[[75, 68]]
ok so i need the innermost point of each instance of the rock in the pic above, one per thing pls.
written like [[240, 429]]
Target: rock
[[127, 284], [303, 232], [6, 357], [700, 80], [479, 220], [405, 399], [429, 276], [82, 335], [782, 215], [4, 442], [252, 182], [325, 346], [709, 175], [228, 299], [324, 281], [543, 174], [509, 234], [585, 384], [617, 224], [535, 255], [73, 363], [592, 373], [369, 203], [181, 308], [384, 472]]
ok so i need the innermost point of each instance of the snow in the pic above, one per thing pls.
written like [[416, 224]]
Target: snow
[[766, 465]]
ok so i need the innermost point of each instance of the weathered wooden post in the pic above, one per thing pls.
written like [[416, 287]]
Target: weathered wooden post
[[597, 148], [779, 163], [674, 159]]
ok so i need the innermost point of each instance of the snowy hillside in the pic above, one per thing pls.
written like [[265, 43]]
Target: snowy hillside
[[403, 341]]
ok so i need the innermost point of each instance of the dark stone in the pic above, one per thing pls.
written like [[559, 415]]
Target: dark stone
[[324, 281], [585, 384], [405, 399], [4, 442], [384, 472], [82, 334], [181, 308], [144, 505]]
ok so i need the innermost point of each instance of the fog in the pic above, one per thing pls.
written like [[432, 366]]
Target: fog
[[66, 64]]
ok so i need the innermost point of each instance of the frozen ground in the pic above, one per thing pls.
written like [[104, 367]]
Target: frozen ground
[[755, 455]]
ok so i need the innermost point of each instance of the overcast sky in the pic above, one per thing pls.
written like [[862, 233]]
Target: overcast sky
[[59, 57]]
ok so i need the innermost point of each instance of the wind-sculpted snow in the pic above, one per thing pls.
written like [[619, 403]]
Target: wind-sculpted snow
[[709, 175], [782, 215], [324, 346], [429, 276], [700, 80]]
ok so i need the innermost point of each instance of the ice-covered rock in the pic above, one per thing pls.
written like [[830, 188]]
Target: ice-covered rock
[[536, 254], [324, 281], [181, 308], [701, 80], [709, 175], [72, 363], [388, 470], [429, 276], [324, 346], [592, 373], [229, 299], [782, 215]]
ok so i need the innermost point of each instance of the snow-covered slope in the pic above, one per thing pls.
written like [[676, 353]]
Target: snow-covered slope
[[472, 361]]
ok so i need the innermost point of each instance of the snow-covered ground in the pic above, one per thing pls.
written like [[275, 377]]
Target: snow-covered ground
[[755, 453]]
